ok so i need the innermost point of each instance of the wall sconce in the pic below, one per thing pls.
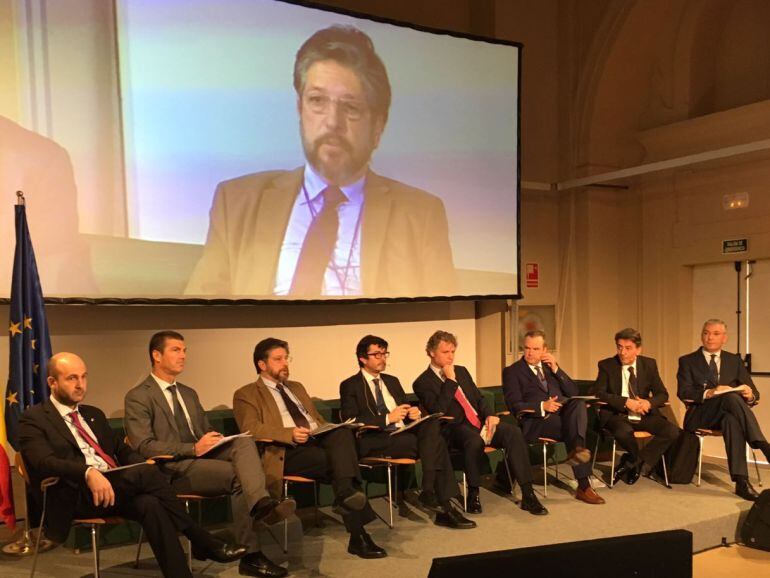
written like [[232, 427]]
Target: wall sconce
[[735, 201]]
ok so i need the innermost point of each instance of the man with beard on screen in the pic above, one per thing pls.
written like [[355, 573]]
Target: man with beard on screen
[[332, 227]]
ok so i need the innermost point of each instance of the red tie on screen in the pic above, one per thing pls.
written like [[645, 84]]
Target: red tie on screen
[[318, 246], [91, 441], [470, 415]]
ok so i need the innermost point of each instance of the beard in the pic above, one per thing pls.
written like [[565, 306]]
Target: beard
[[340, 166]]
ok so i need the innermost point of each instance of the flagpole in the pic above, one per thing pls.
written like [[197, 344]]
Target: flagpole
[[20, 198]]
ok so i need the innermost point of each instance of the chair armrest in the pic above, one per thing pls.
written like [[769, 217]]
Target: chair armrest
[[160, 458], [502, 413], [48, 482]]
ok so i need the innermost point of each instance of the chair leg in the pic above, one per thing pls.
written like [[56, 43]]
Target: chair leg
[[612, 466], [286, 522], [665, 471], [189, 543], [465, 492], [139, 547], [756, 465], [390, 496], [545, 470], [700, 458], [95, 548]]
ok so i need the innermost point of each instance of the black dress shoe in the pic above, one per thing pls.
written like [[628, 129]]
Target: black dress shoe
[[364, 547], [530, 503], [745, 490], [452, 518], [632, 475], [474, 502], [626, 466], [219, 551], [257, 564], [429, 501]]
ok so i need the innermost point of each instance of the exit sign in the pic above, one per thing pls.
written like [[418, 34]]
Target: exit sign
[[735, 246]]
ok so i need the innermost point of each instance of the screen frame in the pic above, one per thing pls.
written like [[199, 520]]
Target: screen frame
[[220, 301]]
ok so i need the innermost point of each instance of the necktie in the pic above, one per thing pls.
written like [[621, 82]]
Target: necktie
[[713, 377], [91, 441], [318, 246], [185, 434], [632, 383], [541, 378], [296, 414], [381, 407], [470, 415]]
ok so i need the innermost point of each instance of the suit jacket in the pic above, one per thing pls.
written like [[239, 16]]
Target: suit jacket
[[523, 391], [150, 424], [357, 401], [609, 384], [692, 375], [404, 238], [436, 395], [255, 411], [49, 449]]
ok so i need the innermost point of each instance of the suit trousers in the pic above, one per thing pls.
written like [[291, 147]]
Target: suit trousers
[[331, 458], [142, 494], [731, 414], [234, 468], [568, 425], [427, 444], [664, 434], [466, 438]]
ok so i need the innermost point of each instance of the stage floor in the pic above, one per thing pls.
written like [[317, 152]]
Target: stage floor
[[712, 512]]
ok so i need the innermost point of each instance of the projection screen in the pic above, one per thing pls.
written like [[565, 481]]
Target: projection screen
[[379, 162]]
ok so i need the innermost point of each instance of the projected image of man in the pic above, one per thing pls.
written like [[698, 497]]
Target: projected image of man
[[332, 227]]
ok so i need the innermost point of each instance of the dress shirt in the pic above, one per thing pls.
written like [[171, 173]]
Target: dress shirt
[[440, 372], [288, 421], [717, 359], [164, 385], [534, 369], [343, 275], [390, 403], [626, 375], [93, 460]]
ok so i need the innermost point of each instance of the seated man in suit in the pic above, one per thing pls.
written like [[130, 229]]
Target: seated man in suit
[[631, 388], [281, 410], [536, 389], [363, 398], [719, 393], [63, 438], [166, 417], [450, 389]]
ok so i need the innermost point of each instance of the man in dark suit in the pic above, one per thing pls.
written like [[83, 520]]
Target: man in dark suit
[[333, 226], [537, 391], [74, 442], [450, 389], [166, 417], [280, 410], [363, 398], [719, 393], [630, 386]]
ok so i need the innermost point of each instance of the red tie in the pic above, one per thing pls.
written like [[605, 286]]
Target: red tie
[[470, 415], [91, 441]]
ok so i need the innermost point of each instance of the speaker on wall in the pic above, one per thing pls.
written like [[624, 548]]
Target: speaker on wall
[[662, 554]]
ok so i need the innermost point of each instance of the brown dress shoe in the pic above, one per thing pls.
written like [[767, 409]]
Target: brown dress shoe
[[589, 496]]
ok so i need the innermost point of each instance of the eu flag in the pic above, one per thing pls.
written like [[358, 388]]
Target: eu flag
[[30, 343]]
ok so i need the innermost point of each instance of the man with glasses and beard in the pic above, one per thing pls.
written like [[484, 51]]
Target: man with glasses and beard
[[332, 227]]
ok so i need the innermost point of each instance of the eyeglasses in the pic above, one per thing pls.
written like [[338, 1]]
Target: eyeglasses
[[379, 354], [320, 104], [286, 358]]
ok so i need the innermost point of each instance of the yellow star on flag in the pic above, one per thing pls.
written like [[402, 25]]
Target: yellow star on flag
[[33, 342], [12, 398], [15, 328], [28, 323], [35, 368]]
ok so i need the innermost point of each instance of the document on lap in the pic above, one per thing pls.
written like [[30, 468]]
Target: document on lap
[[416, 422], [326, 428], [226, 439]]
